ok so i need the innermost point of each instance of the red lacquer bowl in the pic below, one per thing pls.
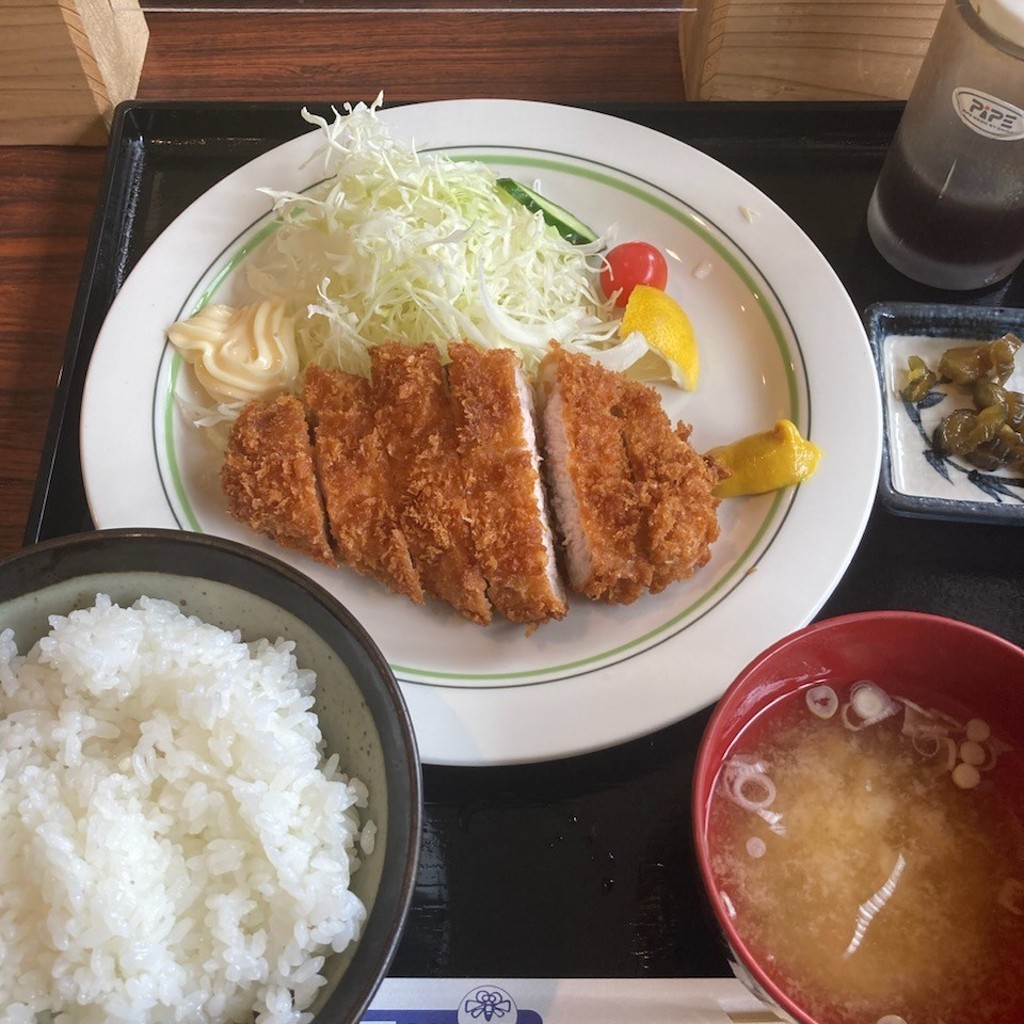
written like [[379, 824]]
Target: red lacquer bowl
[[953, 663]]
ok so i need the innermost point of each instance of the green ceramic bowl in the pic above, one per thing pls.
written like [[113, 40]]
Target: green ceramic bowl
[[362, 714]]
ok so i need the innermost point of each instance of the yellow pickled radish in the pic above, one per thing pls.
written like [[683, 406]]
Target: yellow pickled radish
[[766, 461], [668, 331]]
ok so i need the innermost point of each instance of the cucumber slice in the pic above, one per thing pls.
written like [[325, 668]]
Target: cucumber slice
[[568, 226]]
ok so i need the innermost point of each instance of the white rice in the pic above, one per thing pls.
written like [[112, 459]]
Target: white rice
[[173, 847]]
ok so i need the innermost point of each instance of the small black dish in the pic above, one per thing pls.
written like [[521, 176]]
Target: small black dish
[[917, 480]]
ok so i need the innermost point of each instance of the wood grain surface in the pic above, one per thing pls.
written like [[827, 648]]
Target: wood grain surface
[[47, 194], [552, 56], [804, 49]]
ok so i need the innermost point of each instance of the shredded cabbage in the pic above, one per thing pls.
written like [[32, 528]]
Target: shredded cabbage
[[422, 248]]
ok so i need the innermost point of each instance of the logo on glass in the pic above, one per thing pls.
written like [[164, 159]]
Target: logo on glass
[[988, 115]]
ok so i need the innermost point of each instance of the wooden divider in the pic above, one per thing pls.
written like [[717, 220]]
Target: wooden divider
[[65, 65], [804, 49]]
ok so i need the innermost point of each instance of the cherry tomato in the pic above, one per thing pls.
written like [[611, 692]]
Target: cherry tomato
[[630, 264]]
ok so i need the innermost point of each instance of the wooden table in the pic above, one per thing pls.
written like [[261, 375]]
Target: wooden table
[[47, 194]]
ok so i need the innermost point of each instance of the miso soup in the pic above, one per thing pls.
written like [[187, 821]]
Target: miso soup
[[870, 852]]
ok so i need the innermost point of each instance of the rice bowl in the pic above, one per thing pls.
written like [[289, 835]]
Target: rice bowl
[[183, 841]]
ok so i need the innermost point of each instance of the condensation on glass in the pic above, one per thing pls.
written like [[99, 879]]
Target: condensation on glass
[[948, 207]]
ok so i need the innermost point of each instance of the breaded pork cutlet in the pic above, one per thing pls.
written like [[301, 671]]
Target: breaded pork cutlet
[[493, 410], [595, 499], [416, 427], [674, 486], [269, 477], [352, 469]]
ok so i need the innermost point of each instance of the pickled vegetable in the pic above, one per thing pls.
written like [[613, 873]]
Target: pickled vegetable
[[991, 435], [1006, 448], [988, 393], [963, 430], [991, 360], [986, 457], [919, 381]]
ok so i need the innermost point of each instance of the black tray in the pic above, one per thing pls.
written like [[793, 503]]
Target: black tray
[[581, 867]]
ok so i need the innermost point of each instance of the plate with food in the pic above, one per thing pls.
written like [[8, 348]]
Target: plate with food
[[953, 411], [559, 407]]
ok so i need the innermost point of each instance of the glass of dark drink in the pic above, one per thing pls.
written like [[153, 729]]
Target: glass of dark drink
[[948, 208]]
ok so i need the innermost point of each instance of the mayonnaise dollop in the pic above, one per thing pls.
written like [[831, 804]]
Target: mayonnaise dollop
[[239, 353]]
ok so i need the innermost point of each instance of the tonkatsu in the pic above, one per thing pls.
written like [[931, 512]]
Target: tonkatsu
[[360, 496], [595, 498], [674, 487], [460, 482], [417, 430], [269, 478], [497, 439]]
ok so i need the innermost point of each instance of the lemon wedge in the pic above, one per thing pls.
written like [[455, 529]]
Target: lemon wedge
[[766, 461], [667, 329]]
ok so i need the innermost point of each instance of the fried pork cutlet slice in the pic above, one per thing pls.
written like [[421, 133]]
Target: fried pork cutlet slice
[[493, 410], [416, 427], [674, 483], [595, 500], [352, 469], [269, 478]]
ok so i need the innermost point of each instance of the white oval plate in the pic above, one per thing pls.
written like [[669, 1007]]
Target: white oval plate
[[778, 335]]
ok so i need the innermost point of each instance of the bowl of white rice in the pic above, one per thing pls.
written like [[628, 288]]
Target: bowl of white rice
[[210, 793]]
